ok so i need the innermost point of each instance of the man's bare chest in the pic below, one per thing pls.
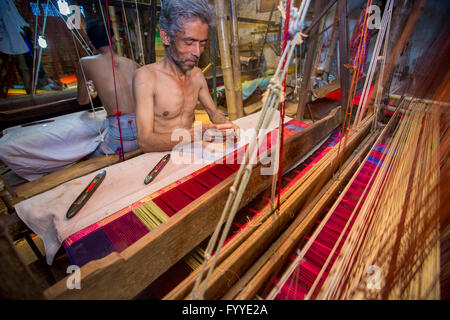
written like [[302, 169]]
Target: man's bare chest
[[173, 98]]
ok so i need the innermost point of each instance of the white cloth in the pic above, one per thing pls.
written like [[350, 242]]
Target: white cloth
[[36, 150], [122, 186], [11, 24]]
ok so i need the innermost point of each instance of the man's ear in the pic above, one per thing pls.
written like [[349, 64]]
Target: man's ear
[[165, 38]]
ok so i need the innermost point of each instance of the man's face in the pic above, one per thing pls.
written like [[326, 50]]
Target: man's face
[[187, 46]]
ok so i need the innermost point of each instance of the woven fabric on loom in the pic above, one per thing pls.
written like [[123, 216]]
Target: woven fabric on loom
[[127, 226], [122, 229], [306, 272]]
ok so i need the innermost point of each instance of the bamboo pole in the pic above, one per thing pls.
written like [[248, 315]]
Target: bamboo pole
[[236, 59], [112, 15], [226, 59], [213, 61], [138, 37]]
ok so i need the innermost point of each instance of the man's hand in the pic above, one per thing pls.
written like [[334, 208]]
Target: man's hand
[[224, 130], [91, 88]]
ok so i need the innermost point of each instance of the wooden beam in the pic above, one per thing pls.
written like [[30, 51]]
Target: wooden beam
[[54, 179], [123, 275]]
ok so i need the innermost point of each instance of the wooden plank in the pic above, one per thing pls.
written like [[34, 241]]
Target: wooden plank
[[229, 271], [123, 275], [326, 89], [59, 177]]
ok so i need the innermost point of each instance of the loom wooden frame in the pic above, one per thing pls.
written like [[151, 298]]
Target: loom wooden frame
[[250, 243], [124, 275]]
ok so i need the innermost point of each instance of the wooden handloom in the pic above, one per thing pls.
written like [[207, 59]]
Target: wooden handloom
[[126, 274]]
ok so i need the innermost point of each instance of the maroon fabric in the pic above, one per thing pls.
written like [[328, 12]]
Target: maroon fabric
[[125, 231], [192, 188]]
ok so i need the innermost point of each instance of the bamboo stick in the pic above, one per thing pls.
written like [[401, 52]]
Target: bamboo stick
[[236, 59], [226, 59], [112, 16]]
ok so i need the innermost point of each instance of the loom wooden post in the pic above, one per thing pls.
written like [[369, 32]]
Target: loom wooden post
[[226, 59], [16, 279], [236, 59], [343, 53], [306, 86], [112, 16]]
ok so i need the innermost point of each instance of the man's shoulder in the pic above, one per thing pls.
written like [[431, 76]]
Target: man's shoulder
[[197, 74], [146, 75], [88, 59], [128, 61], [149, 70]]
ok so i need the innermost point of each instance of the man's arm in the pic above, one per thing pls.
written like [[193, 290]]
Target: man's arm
[[205, 99], [215, 115], [84, 87], [82, 92], [143, 89]]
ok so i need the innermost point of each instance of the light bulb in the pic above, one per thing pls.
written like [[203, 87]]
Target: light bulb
[[42, 42], [63, 7]]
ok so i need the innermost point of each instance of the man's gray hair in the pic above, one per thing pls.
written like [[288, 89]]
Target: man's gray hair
[[175, 12]]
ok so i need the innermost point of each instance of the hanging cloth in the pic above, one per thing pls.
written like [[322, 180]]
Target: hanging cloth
[[11, 24]]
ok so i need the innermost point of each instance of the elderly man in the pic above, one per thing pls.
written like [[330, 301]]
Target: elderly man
[[167, 91]]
